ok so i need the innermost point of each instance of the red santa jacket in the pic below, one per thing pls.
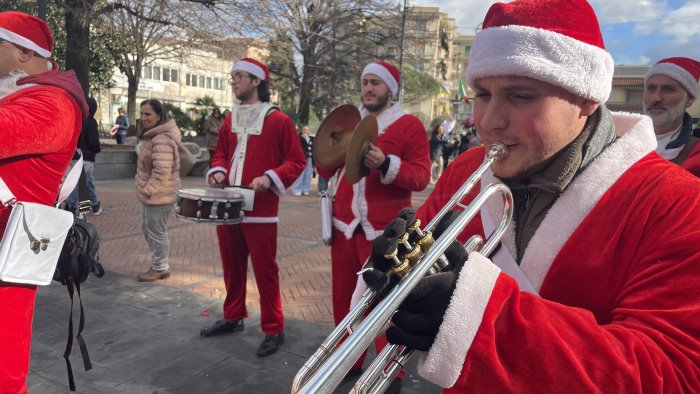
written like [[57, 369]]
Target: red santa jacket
[[275, 152], [616, 263], [40, 124], [376, 199]]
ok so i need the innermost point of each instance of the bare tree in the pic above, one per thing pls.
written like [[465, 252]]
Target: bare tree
[[151, 30], [318, 47]]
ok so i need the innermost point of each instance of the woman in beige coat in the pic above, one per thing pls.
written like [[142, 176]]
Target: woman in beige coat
[[157, 180]]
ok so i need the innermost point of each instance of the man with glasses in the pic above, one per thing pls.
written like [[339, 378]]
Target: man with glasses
[[41, 114], [258, 148]]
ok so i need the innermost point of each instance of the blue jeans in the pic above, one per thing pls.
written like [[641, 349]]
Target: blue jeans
[[322, 184], [303, 183], [72, 200]]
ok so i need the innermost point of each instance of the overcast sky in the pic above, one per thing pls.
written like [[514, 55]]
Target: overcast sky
[[635, 31]]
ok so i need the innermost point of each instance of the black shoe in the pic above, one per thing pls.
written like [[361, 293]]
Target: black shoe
[[222, 327], [270, 344], [394, 387]]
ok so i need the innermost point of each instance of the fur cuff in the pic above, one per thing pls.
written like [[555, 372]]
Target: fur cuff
[[443, 364], [393, 171]]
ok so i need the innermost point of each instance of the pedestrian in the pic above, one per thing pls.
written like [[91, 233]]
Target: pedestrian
[[122, 124], [595, 285], [670, 87], [438, 142], [272, 160], [157, 181], [303, 184], [41, 114], [211, 131], [89, 144], [399, 164]]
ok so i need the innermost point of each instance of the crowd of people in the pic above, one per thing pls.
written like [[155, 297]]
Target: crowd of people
[[593, 287]]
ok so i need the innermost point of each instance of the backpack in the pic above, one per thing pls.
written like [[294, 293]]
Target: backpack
[[79, 257]]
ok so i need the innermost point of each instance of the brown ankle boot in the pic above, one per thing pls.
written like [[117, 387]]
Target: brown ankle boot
[[152, 275]]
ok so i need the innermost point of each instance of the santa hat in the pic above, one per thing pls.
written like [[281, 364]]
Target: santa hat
[[252, 67], [682, 69], [554, 41], [26, 31], [387, 73]]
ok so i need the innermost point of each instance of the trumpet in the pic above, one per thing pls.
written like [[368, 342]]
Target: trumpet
[[327, 367]]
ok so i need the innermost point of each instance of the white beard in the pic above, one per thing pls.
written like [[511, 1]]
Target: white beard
[[8, 84]]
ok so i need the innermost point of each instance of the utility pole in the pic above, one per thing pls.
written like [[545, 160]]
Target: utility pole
[[41, 5], [403, 32]]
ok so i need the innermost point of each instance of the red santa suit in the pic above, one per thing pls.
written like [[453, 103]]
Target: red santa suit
[[692, 162], [276, 153], [613, 303], [361, 211], [40, 120]]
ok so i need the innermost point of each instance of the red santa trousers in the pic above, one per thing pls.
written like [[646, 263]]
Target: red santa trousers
[[348, 256], [236, 243], [16, 314]]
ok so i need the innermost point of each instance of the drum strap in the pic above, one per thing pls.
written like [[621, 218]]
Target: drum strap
[[242, 134]]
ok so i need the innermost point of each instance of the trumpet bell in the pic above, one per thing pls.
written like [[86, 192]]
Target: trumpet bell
[[333, 137], [365, 132]]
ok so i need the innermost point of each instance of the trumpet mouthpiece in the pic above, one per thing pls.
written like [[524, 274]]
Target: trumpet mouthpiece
[[497, 151]]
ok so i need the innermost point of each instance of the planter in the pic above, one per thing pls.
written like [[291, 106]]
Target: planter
[[115, 164]]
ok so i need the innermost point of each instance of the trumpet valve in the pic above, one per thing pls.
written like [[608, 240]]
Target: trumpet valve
[[426, 241], [401, 266], [415, 227]]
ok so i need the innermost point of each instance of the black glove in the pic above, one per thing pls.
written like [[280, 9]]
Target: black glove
[[378, 268], [418, 319]]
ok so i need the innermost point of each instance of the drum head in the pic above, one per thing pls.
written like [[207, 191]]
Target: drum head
[[210, 194]]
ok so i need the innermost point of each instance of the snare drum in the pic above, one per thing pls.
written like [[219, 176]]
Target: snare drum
[[209, 205]]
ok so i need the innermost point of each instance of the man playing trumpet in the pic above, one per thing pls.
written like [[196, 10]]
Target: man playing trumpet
[[595, 286]]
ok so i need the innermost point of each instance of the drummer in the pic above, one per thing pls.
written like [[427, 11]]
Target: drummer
[[399, 164], [262, 153]]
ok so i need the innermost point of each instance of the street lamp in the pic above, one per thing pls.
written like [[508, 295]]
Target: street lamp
[[403, 31]]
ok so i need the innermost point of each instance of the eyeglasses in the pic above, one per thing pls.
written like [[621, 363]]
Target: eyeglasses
[[237, 77]]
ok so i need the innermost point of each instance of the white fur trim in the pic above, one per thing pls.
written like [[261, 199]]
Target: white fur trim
[[277, 186], [23, 42], [250, 68], [386, 118], [213, 170], [384, 75], [676, 72], [583, 69], [443, 363], [393, 171], [635, 140], [259, 219]]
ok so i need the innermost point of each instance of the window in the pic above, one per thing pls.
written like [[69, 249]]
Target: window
[[173, 75], [188, 80], [467, 49], [216, 84], [208, 82], [156, 73], [201, 81], [166, 74]]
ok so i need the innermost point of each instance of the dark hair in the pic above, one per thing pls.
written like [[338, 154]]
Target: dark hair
[[158, 108], [263, 91], [436, 129], [216, 109]]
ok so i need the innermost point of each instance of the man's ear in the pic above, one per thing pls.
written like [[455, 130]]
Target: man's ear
[[256, 82], [25, 54], [690, 101], [588, 107]]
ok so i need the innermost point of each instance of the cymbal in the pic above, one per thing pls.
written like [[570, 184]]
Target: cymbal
[[365, 132], [333, 137]]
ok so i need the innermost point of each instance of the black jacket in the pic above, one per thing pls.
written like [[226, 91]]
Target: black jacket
[[89, 141]]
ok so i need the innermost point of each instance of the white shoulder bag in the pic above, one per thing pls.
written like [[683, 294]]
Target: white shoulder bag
[[35, 234]]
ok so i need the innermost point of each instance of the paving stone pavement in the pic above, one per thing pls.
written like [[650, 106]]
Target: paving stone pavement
[[143, 337]]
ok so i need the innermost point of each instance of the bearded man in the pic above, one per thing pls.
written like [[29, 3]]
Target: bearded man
[[41, 114], [670, 87], [399, 164]]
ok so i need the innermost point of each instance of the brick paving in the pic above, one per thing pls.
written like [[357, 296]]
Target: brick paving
[[304, 261]]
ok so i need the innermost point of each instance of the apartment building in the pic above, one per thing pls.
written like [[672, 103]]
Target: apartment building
[[180, 81]]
